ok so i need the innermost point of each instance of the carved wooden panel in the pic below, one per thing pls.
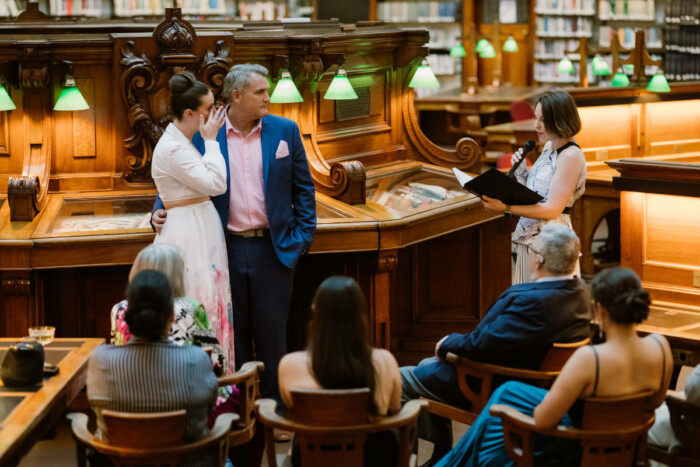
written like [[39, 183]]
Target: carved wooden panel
[[4, 134], [84, 122]]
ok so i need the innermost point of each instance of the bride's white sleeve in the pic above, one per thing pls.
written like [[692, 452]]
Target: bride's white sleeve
[[206, 174]]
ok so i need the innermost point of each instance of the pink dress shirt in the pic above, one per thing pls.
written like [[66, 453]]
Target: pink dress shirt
[[247, 209]]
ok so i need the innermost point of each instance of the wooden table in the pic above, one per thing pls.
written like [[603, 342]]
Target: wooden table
[[27, 414]]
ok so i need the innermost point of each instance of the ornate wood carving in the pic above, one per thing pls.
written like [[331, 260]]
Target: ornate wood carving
[[387, 263], [175, 37], [213, 70], [23, 197], [350, 180], [466, 155], [16, 286], [139, 78]]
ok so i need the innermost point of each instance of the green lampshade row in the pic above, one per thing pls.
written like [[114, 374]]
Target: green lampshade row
[[424, 78], [340, 89], [510, 45], [285, 93], [620, 80], [71, 99], [488, 51], [565, 66], [659, 84], [5, 100], [458, 51], [480, 45]]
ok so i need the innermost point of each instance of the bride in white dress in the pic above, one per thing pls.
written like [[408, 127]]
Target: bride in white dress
[[185, 180]]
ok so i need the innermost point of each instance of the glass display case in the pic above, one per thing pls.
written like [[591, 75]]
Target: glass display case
[[88, 214], [414, 188]]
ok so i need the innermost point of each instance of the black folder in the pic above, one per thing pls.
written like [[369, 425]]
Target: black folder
[[495, 184]]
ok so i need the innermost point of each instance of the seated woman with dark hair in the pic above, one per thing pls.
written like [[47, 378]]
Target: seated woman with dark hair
[[151, 373], [624, 364], [339, 356]]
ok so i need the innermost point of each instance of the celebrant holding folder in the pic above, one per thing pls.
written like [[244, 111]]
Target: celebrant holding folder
[[559, 175]]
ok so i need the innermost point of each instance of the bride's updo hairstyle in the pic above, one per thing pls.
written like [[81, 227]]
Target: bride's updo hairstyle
[[150, 299], [186, 93], [621, 293]]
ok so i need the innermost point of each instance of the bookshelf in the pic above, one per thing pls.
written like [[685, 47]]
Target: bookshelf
[[558, 25], [443, 20], [682, 40], [191, 9]]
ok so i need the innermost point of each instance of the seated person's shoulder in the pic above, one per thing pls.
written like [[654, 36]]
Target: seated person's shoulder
[[293, 361], [384, 357]]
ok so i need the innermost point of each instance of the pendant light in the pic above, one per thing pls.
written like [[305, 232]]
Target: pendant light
[[340, 88], [480, 45], [510, 45], [488, 51], [458, 51], [5, 99], [620, 80], [424, 77], [285, 92], [70, 98], [600, 66]]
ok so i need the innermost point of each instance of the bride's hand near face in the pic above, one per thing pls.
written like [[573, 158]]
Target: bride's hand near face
[[210, 128]]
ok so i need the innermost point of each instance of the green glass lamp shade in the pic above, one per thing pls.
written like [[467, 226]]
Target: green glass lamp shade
[[510, 45], [480, 45], [424, 77], [340, 88], [488, 51], [620, 80], [629, 69], [565, 66], [285, 92], [659, 84], [458, 51], [600, 67], [5, 100], [70, 98]]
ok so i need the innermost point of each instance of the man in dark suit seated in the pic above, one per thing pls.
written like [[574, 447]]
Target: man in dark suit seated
[[517, 331]]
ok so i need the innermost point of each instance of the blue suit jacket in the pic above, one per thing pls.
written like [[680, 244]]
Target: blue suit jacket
[[517, 331], [290, 199]]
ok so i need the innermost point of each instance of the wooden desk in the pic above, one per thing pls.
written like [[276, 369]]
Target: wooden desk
[[27, 414], [681, 326], [486, 100]]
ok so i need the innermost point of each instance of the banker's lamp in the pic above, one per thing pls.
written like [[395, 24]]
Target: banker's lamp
[[659, 83], [70, 98], [424, 77], [340, 88], [510, 45], [5, 99], [285, 92], [565, 66], [600, 66], [458, 51], [480, 45], [620, 80], [488, 51]]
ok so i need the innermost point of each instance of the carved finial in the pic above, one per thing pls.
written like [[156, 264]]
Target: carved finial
[[174, 34]]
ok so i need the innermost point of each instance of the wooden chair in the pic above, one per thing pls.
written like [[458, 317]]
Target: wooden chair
[[148, 438], [612, 433], [331, 426], [685, 421], [550, 368], [247, 380]]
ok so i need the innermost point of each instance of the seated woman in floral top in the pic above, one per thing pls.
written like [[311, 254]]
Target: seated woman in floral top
[[191, 325]]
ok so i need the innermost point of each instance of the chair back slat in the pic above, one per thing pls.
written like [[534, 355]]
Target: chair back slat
[[329, 407], [126, 429], [559, 353], [615, 413]]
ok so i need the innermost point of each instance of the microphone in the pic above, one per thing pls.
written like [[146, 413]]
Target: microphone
[[529, 146]]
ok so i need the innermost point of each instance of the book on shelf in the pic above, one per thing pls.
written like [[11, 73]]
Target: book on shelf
[[563, 27], [685, 12], [567, 7], [421, 12]]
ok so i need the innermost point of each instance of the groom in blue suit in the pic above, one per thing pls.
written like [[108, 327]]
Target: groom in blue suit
[[268, 214], [517, 331]]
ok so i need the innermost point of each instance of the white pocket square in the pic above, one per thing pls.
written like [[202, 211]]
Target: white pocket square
[[282, 150]]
